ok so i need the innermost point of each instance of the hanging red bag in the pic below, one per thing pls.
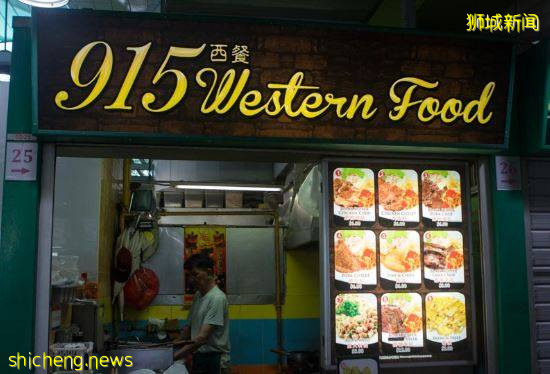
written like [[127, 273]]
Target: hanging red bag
[[141, 288]]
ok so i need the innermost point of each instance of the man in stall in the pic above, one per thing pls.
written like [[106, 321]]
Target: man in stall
[[208, 323]]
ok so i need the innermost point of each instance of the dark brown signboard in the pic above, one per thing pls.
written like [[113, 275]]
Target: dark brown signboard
[[126, 74]]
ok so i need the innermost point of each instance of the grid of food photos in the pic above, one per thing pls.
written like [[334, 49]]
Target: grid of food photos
[[399, 254]]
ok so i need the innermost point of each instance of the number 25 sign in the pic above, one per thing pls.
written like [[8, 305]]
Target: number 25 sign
[[21, 161]]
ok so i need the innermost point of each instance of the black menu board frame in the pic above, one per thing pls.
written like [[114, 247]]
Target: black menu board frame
[[431, 354]]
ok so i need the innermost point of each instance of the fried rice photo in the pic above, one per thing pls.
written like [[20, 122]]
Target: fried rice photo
[[446, 315]]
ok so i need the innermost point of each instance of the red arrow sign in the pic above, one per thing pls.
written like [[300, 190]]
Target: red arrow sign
[[22, 171]]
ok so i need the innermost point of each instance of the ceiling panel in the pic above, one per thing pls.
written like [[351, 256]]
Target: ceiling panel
[[15, 8]]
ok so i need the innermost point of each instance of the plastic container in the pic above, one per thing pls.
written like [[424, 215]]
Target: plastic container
[[63, 294], [215, 199], [233, 199], [65, 271], [252, 199], [72, 349], [194, 198], [55, 317], [173, 199]]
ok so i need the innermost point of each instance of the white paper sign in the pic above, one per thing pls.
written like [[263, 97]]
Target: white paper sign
[[21, 161], [508, 171]]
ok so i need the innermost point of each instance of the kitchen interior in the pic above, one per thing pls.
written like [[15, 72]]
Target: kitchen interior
[[125, 227]]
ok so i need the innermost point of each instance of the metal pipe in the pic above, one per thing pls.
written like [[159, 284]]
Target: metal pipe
[[220, 213], [117, 314], [6, 27], [126, 175], [278, 293]]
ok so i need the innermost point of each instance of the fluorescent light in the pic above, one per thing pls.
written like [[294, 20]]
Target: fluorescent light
[[227, 187], [4, 77], [6, 46], [45, 3]]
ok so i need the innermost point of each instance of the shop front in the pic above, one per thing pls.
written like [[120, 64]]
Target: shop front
[[342, 179]]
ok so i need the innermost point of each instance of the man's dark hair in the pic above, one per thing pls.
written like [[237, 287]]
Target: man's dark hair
[[200, 261]]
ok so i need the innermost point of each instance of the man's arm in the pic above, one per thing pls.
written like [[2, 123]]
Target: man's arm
[[185, 332], [198, 342]]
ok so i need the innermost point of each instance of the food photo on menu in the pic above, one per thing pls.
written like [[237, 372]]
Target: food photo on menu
[[445, 319], [353, 194], [358, 366], [398, 197], [356, 320], [441, 197], [443, 259], [400, 259], [355, 259], [401, 321]]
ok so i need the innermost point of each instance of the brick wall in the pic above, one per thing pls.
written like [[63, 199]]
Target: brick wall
[[343, 61]]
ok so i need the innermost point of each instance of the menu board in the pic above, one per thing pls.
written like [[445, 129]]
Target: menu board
[[399, 252]]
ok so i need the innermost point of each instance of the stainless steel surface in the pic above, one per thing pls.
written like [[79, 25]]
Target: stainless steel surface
[[324, 261], [218, 171], [487, 264], [176, 299], [217, 220], [145, 358], [76, 212], [43, 260], [214, 199], [303, 211], [173, 199], [250, 262], [251, 299], [250, 270], [167, 262]]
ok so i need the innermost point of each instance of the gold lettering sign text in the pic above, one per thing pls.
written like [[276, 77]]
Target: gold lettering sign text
[[228, 90]]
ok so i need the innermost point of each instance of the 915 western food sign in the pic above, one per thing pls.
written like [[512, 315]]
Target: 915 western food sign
[[98, 72]]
